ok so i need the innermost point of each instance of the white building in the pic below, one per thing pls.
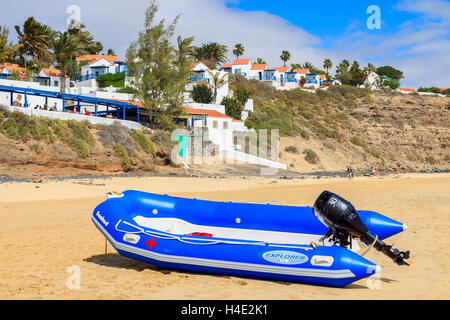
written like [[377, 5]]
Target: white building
[[203, 74], [314, 80], [257, 72], [8, 69], [242, 67], [300, 73], [219, 125], [97, 65], [51, 78]]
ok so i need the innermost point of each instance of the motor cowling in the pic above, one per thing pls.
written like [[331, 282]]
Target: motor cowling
[[344, 223]]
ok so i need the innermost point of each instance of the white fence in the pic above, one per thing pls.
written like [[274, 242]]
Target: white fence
[[204, 106], [77, 117]]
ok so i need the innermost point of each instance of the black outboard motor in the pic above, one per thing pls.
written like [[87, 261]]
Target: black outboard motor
[[344, 222]]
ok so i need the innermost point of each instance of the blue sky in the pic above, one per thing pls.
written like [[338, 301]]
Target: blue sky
[[414, 35], [330, 18]]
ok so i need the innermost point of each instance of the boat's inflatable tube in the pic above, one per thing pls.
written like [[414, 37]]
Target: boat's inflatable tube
[[251, 240]]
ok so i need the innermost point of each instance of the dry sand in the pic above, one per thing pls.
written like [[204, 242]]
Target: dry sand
[[47, 228]]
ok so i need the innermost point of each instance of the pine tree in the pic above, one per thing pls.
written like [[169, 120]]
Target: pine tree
[[159, 83]]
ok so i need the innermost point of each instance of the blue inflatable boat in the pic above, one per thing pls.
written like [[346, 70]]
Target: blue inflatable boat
[[284, 243]]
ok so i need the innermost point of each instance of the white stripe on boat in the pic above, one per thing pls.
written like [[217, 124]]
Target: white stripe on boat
[[303, 272]]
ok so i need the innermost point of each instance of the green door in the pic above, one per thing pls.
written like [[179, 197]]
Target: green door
[[184, 144]]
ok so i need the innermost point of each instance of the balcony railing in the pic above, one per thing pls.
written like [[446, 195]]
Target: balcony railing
[[198, 79], [264, 78], [91, 76]]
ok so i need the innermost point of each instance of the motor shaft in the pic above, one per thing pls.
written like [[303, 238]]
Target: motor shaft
[[396, 255]]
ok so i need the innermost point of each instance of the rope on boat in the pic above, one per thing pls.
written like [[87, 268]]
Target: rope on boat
[[371, 245], [198, 241]]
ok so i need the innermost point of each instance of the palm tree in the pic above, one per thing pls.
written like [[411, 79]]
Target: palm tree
[[285, 56], [370, 68], [307, 65], [343, 67], [7, 49], [34, 40], [214, 53], [86, 39], [238, 50], [111, 52], [183, 59], [327, 64], [296, 66], [65, 47], [216, 82], [260, 61]]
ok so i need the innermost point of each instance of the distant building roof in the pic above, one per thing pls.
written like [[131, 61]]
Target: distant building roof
[[209, 113], [239, 62], [11, 67], [226, 66], [407, 89], [259, 67], [322, 76], [96, 57], [136, 103], [301, 71], [198, 63], [52, 72], [282, 69]]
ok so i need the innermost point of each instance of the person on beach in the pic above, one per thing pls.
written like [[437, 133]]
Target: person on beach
[[349, 172]]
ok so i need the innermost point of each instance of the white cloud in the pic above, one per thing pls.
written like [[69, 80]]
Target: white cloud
[[419, 47]]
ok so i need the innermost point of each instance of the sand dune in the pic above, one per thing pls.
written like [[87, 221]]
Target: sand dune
[[45, 230]]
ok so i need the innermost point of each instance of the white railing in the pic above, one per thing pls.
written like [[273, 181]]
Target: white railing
[[76, 117], [251, 159]]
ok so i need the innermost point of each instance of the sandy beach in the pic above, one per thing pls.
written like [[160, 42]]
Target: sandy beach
[[45, 229]]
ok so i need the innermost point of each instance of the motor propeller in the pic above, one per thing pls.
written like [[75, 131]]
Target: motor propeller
[[344, 222]]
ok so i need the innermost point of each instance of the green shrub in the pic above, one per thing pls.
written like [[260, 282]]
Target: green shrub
[[128, 90], [122, 154], [201, 93], [241, 94], [10, 129], [76, 135], [357, 141], [143, 142], [292, 149], [233, 107], [111, 79], [346, 89], [80, 147], [307, 114], [329, 145], [367, 99], [163, 140], [310, 156], [430, 160], [165, 122], [303, 133], [392, 83]]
